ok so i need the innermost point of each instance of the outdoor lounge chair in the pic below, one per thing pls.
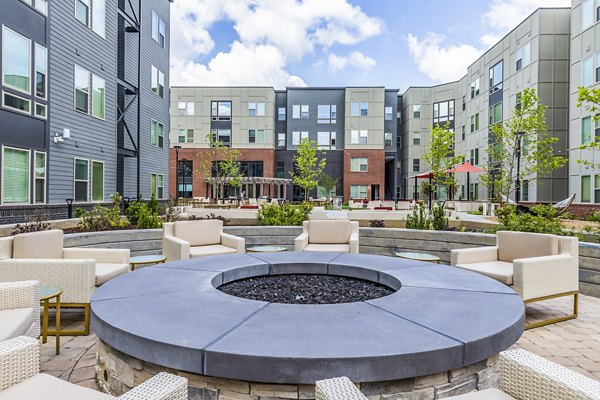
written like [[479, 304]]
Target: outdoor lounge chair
[[523, 376], [20, 378], [189, 239], [537, 266], [328, 235], [76, 270], [19, 309]]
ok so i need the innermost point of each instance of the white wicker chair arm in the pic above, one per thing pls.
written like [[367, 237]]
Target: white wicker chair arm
[[337, 389], [162, 386], [236, 242], [19, 360], [24, 294], [473, 255], [353, 242], [175, 248], [543, 276], [77, 278], [113, 256], [524, 375], [301, 242]]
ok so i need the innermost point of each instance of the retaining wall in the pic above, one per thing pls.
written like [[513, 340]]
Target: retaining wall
[[381, 241]]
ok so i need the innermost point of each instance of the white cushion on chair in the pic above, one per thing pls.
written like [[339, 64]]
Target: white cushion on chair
[[329, 231], [44, 244], [47, 387], [211, 250], [107, 271], [338, 248], [499, 270], [199, 233], [15, 322], [514, 245], [488, 394]]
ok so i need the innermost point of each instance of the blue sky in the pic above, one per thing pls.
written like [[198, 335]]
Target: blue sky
[[396, 43]]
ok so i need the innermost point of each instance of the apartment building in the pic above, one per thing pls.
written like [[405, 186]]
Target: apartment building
[[355, 127], [81, 118], [534, 55]]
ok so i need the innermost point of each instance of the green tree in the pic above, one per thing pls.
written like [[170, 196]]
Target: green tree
[[309, 163], [591, 99], [329, 183], [220, 166], [441, 157], [524, 134]]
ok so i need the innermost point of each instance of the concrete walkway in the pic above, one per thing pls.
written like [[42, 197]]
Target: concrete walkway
[[574, 344]]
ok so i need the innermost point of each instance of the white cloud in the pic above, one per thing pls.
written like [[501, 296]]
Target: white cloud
[[504, 15], [272, 34], [354, 59], [441, 63]]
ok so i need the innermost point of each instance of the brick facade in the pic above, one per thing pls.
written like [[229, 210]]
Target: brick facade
[[375, 174]]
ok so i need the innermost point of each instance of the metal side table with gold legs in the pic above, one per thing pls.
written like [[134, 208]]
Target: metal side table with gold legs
[[48, 292]]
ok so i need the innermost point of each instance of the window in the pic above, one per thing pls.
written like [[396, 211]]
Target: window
[[523, 56], [16, 61], [496, 78], [186, 108], [190, 136], [81, 180], [387, 139], [598, 67], [158, 30], [185, 135], [586, 130], [443, 112], [464, 104], [256, 109], [15, 175], [586, 181], [16, 103], [281, 114], [597, 189], [157, 185], [417, 138], [222, 135], [281, 139], [587, 13], [158, 81], [474, 191], [296, 111], [98, 89], [40, 110], [97, 181], [525, 190], [359, 136], [98, 14], [221, 111], [463, 133], [518, 101], [358, 191], [83, 80], [40, 5], [252, 168], [475, 88], [359, 164], [416, 111], [416, 165], [476, 157], [256, 136], [326, 114], [157, 132], [40, 178], [477, 121], [496, 113], [280, 170], [389, 114], [326, 140], [359, 109], [474, 122], [304, 111], [298, 136], [41, 71], [586, 71]]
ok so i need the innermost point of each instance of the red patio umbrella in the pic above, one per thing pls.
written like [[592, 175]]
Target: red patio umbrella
[[468, 168], [423, 175]]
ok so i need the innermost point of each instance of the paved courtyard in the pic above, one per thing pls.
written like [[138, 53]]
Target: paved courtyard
[[574, 344]]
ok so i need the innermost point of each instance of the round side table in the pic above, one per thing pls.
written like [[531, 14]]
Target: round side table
[[146, 260], [418, 256], [266, 249]]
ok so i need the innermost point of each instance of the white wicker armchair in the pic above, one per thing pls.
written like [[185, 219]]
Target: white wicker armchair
[[20, 378], [523, 376], [537, 266], [40, 256], [19, 309], [328, 235]]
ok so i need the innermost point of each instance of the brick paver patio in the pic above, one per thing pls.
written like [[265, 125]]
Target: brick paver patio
[[574, 344]]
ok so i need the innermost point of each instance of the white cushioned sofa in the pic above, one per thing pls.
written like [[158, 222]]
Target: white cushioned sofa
[[328, 235], [19, 309], [190, 239], [537, 266]]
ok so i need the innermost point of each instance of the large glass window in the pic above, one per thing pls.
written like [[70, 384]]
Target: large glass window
[[157, 185], [416, 165], [16, 61], [99, 17], [358, 191], [387, 139], [82, 89], [256, 136], [16, 103], [587, 13], [281, 139], [586, 130], [81, 180], [256, 109], [158, 81], [40, 177], [326, 114], [359, 164], [417, 138], [598, 67], [98, 89], [523, 56], [496, 113], [587, 65], [359, 109], [304, 112], [82, 11], [298, 136], [443, 112], [157, 134], [222, 135], [41, 70], [359, 136], [416, 111], [15, 175], [158, 29], [496, 78], [97, 181], [389, 114], [221, 110], [475, 88], [326, 140], [586, 189], [186, 108], [296, 111], [281, 113]]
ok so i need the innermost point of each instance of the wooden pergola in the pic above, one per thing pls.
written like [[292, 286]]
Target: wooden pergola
[[277, 187]]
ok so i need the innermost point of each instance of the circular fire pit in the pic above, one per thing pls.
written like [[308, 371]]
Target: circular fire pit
[[439, 330]]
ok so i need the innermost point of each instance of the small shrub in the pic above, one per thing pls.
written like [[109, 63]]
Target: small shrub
[[419, 219], [543, 220], [209, 216], [143, 215], [594, 216], [439, 221], [377, 223], [38, 222], [79, 212], [285, 215], [101, 219]]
